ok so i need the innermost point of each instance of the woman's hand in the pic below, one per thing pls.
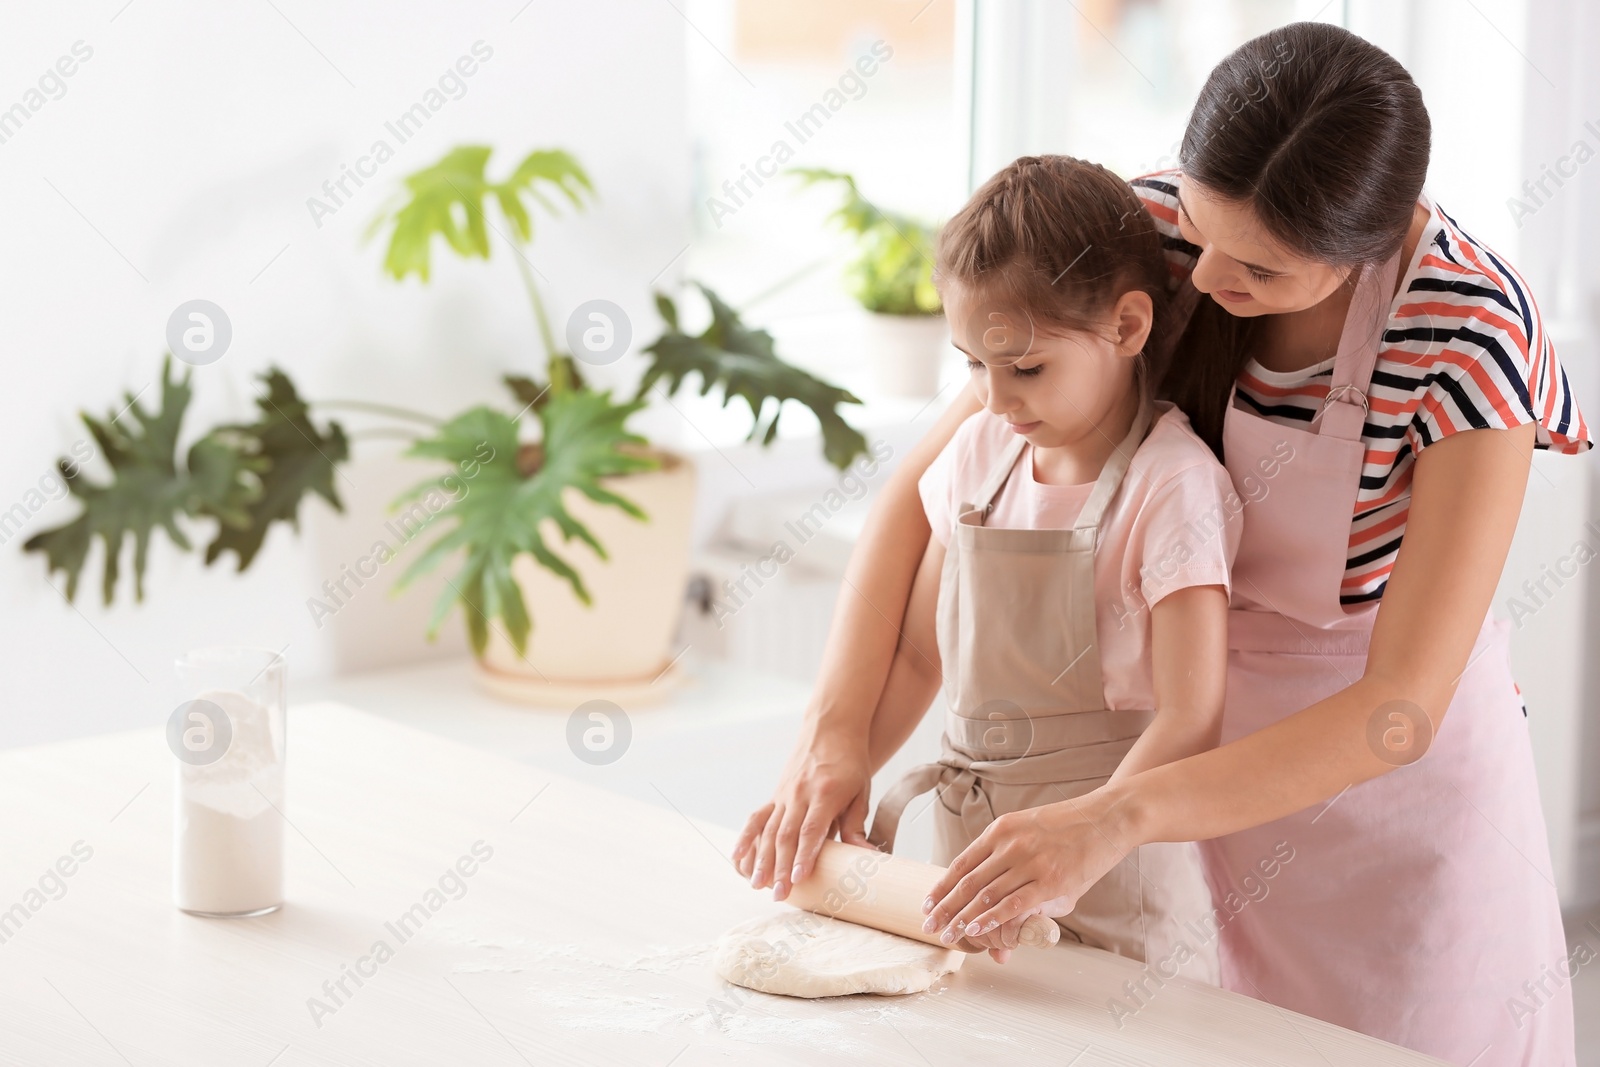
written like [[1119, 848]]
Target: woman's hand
[[1036, 861], [1002, 939], [823, 790]]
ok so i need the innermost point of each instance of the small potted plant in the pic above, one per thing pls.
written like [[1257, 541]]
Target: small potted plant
[[891, 277]]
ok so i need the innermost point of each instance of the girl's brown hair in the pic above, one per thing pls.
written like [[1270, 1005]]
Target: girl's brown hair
[[1325, 137], [1057, 238]]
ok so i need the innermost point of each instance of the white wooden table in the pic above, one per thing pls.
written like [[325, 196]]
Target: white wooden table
[[582, 939]]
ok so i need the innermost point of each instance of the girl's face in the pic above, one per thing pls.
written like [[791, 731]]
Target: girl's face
[[1054, 388], [1243, 267]]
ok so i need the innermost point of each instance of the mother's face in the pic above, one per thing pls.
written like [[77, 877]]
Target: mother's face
[[1246, 269]]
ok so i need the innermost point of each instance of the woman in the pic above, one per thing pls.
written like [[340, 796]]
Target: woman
[[1370, 824]]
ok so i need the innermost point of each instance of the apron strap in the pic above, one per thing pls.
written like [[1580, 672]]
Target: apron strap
[[1116, 465], [917, 781], [1343, 412], [997, 477], [1006, 738]]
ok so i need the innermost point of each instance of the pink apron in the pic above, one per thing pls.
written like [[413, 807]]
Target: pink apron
[[1418, 907]]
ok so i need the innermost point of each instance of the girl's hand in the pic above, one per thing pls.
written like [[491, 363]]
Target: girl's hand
[[1037, 861], [824, 790]]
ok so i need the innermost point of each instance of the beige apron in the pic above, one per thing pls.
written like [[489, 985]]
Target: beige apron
[[1027, 721]]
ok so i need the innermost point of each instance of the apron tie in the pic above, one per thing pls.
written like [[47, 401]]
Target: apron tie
[[951, 775], [962, 783]]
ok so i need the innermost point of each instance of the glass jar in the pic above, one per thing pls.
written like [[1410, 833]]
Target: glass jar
[[228, 734]]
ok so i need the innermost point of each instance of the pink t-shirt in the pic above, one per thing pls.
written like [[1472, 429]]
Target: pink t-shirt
[[1174, 523]]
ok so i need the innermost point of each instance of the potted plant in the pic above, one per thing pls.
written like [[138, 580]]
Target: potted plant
[[572, 532], [891, 277], [608, 597]]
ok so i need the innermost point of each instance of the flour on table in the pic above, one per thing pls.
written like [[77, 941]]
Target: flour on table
[[607, 989], [799, 954]]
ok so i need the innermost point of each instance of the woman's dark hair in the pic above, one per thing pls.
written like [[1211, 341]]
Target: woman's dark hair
[[1325, 137], [1059, 238]]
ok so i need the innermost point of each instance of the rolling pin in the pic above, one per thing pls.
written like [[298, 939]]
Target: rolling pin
[[885, 892]]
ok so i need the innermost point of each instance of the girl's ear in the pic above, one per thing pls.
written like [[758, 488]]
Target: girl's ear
[[1134, 315]]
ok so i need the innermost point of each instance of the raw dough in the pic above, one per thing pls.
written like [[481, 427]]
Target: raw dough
[[800, 954]]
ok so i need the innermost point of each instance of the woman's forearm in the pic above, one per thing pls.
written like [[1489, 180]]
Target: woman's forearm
[[915, 673], [906, 697], [1304, 759], [1466, 496], [1172, 737], [871, 606], [877, 585]]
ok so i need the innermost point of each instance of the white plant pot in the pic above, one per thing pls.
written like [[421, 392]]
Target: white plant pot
[[908, 352], [619, 646]]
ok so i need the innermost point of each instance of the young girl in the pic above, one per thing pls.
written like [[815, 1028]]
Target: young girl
[[1073, 598]]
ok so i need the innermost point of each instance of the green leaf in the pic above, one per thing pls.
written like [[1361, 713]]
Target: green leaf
[[225, 479], [893, 269], [499, 513], [146, 491], [668, 310], [290, 458], [148, 488], [529, 393], [447, 200], [742, 361]]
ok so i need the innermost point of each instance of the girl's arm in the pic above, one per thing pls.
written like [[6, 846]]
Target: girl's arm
[[1467, 495], [1189, 653], [824, 787]]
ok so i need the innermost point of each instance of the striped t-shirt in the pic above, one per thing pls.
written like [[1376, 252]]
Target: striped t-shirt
[[1464, 349]]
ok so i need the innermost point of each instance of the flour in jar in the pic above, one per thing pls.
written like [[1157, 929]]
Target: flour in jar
[[229, 830]]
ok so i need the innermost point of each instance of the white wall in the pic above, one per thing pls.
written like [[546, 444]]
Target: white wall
[[177, 164]]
